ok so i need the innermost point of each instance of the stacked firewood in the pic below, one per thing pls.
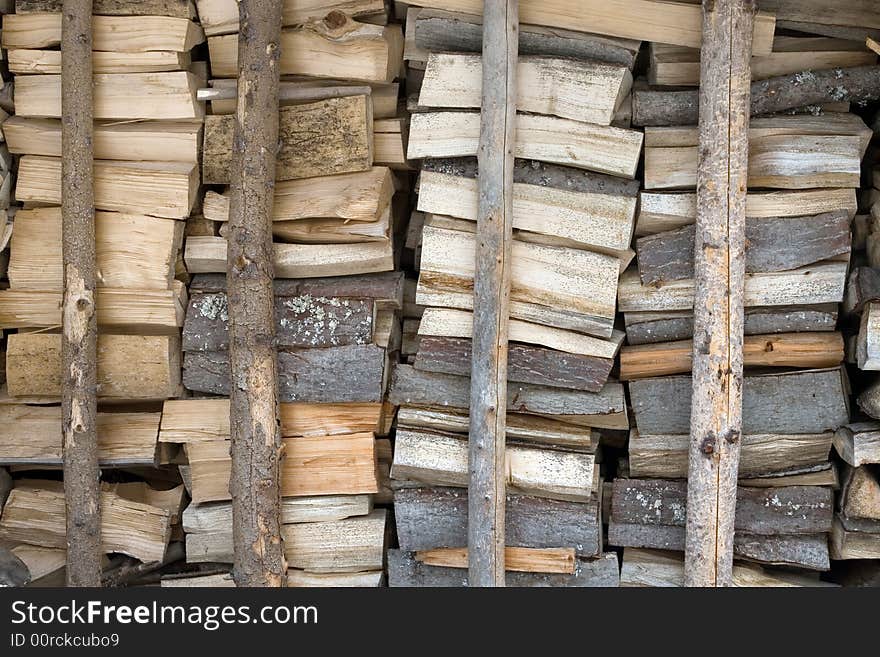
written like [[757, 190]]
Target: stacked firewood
[[340, 197], [148, 126]]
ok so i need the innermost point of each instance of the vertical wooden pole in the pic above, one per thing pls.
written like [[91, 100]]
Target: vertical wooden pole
[[486, 498], [716, 414], [79, 406], [254, 421]]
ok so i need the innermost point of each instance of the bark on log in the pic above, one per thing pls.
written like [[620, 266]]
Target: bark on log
[[492, 295], [716, 411], [79, 320], [785, 92], [255, 427]]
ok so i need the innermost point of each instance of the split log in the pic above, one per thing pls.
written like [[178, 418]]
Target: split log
[[323, 138], [428, 518], [334, 47], [318, 465], [849, 543], [605, 149], [868, 343], [405, 570], [776, 244], [665, 456], [438, 459], [49, 61], [772, 403], [582, 91], [785, 92], [858, 444], [648, 327], [811, 350], [521, 560], [605, 409], [386, 289], [221, 16], [860, 494], [862, 288], [174, 8], [75, 377]]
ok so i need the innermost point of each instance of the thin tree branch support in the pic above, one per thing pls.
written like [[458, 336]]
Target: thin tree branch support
[[486, 499], [254, 421], [716, 414], [79, 406]]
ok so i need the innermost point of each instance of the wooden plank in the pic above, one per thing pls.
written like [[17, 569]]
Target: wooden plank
[[605, 409], [164, 189], [32, 435], [136, 529], [648, 20], [428, 518], [605, 149], [582, 91], [811, 350], [130, 367], [208, 255], [205, 420], [323, 138], [523, 560], [166, 96], [665, 456], [316, 465], [221, 16], [109, 33], [772, 403], [170, 141], [773, 244], [820, 283], [336, 47], [550, 279], [594, 220], [442, 460]]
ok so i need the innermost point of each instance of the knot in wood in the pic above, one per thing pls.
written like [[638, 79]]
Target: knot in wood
[[707, 445], [335, 19], [732, 436]]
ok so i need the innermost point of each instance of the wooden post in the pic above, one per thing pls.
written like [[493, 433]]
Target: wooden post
[[716, 415], [254, 420], [79, 405], [487, 487]]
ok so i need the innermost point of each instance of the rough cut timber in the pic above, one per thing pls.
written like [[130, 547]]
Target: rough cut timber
[[665, 456], [589, 219], [109, 33], [349, 545], [442, 460], [555, 286], [820, 283], [168, 141], [335, 47], [605, 149], [582, 91], [133, 251], [205, 255], [204, 420], [858, 444], [428, 518], [323, 138], [354, 373], [605, 409], [175, 8], [662, 211], [442, 31], [352, 197], [221, 16], [647, 20], [787, 162], [49, 62], [406, 571], [772, 244], [868, 344], [317, 465], [36, 516], [31, 435], [164, 189], [810, 350], [170, 95], [130, 367], [772, 403]]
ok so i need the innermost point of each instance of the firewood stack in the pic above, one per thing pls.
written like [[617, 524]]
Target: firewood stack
[[147, 132], [574, 209], [804, 172], [340, 199]]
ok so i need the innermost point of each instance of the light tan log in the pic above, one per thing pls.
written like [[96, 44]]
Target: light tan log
[[221, 16], [516, 559]]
